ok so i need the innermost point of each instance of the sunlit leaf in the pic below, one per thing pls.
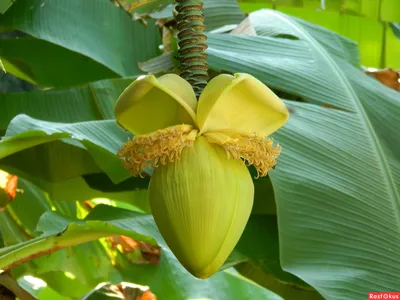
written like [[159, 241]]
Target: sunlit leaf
[[376, 41], [60, 231], [19, 225], [375, 9]]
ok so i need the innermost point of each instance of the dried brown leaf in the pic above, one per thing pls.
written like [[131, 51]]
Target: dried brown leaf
[[388, 77]]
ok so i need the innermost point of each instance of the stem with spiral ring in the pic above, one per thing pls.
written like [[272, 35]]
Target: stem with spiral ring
[[192, 44]]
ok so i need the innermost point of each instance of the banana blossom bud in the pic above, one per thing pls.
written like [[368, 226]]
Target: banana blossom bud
[[201, 192]]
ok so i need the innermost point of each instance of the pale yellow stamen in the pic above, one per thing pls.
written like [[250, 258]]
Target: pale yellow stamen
[[254, 149], [161, 146]]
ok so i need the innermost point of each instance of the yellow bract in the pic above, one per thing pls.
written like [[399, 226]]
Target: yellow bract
[[201, 192], [240, 103], [149, 104]]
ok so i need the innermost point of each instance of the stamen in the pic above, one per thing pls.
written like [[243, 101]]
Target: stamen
[[254, 149], [159, 147]]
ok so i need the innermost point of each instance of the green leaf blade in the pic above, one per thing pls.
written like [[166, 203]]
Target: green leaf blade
[[99, 31], [338, 177]]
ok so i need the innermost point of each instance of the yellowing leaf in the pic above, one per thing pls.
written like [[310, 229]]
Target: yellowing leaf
[[8, 188]]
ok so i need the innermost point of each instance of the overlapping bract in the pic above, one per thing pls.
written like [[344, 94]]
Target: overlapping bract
[[201, 192]]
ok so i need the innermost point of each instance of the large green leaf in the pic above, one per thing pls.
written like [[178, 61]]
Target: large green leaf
[[88, 263], [18, 224], [382, 10], [95, 29], [222, 12], [94, 101], [337, 45], [376, 41], [261, 55], [374, 38], [56, 164], [47, 64], [259, 242], [61, 231], [337, 181], [101, 139], [41, 157], [169, 280]]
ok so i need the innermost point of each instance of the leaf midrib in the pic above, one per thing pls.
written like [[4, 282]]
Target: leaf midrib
[[388, 178]]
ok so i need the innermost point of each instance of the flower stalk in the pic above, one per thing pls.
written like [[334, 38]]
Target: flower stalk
[[192, 44]]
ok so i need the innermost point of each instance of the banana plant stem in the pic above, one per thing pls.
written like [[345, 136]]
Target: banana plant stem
[[192, 43]]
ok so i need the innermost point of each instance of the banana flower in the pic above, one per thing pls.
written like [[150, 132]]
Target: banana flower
[[201, 192]]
